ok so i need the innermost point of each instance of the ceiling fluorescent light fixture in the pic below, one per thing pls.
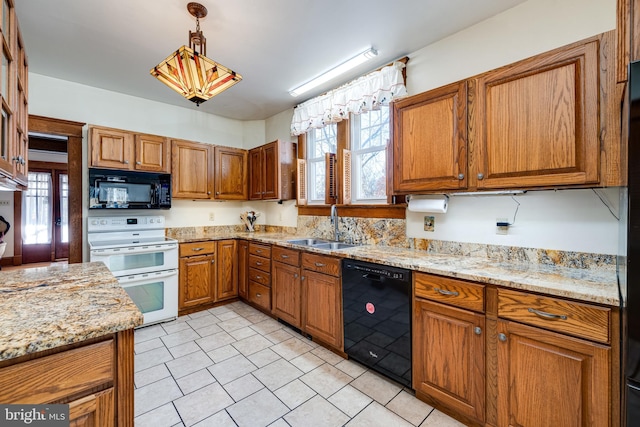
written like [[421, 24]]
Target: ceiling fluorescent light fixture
[[189, 72], [335, 72]]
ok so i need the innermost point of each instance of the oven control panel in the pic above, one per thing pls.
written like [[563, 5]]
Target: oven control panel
[[121, 223]]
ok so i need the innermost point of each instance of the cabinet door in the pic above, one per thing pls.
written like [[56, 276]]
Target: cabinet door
[[227, 283], [96, 410], [197, 280], [285, 293], [255, 174], [243, 268], [270, 171], [430, 140], [322, 307], [191, 170], [111, 148], [231, 173], [549, 379], [535, 123], [152, 153], [21, 163], [448, 356]]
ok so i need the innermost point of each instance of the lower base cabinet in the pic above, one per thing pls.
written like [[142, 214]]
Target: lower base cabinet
[[286, 295], [92, 410]]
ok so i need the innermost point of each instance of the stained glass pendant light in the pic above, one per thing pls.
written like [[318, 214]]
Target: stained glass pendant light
[[189, 72]]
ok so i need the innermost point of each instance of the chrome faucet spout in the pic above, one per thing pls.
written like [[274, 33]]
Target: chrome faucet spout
[[334, 221]]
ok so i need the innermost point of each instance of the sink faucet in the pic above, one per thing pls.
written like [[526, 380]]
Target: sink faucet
[[334, 221]]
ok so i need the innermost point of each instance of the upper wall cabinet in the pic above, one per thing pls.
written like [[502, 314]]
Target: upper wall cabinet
[[13, 101], [120, 149], [272, 171], [230, 173], [547, 121]]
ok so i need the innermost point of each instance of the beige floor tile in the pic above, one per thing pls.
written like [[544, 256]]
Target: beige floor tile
[[199, 314], [326, 380], [438, 419], [155, 395], [292, 348], [214, 341], [223, 353], [231, 369], [148, 345], [278, 336], [184, 349], [151, 375], [195, 381], [151, 358], [243, 387], [175, 326], [234, 323], [179, 337], [258, 410], [351, 368], [264, 357], [208, 330], [350, 401], [266, 326], [219, 309], [242, 333], [277, 374], [316, 412], [189, 364], [167, 413], [327, 355], [307, 362], [203, 321], [228, 315], [294, 394], [375, 415], [410, 408], [202, 403], [280, 422], [148, 333], [221, 419], [252, 344], [375, 386]]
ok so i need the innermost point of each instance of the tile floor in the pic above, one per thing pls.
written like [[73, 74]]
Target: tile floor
[[235, 366]]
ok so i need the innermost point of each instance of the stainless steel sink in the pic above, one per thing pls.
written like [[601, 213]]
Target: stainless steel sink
[[307, 242], [334, 245]]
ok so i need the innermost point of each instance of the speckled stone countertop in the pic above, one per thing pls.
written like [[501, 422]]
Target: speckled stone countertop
[[47, 307], [589, 285]]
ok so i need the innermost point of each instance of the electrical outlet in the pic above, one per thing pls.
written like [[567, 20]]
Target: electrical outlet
[[212, 216], [501, 228], [280, 217]]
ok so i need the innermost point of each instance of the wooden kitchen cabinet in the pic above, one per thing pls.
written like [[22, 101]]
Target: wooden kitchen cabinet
[[227, 276], [449, 344], [259, 275], [243, 268], [121, 149], [322, 299], [192, 172], [543, 122], [546, 378], [272, 171], [231, 171], [430, 140], [285, 288], [93, 410], [197, 275]]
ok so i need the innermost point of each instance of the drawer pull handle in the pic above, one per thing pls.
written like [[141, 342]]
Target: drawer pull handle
[[197, 249], [258, 295], [295, 275], [445, 292], [319, 264], [546, 315], [477, 330], [213, 261], [258, 277], [258, 263], [284, 256], [259, 250], [502, 337]]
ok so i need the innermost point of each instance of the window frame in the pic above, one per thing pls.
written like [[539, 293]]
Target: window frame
[[313, 161]]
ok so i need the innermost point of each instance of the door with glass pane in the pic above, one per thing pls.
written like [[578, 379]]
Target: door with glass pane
[[45, 214]]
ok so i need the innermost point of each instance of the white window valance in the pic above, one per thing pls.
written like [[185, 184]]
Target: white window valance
[[358, 96]]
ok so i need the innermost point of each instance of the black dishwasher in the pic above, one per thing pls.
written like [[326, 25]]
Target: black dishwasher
[[376, 307]]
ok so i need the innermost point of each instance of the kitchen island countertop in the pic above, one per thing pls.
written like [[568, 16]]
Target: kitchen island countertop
[[595, 285], [47, 307]]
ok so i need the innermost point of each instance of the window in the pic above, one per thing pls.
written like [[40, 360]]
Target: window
[[37, 209], [369, 136], [319, 142]]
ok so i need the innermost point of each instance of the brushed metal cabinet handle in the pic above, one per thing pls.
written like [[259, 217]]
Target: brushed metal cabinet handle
[[502, 337], [284, 256], [477, 330], [197, 249], [445, 292], [213, 261], [259, 295], [319, 264], [480, 176], [258, 263], [460, 176], [546, 315], [258, 277]]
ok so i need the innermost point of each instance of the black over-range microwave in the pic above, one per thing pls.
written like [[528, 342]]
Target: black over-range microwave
[[114, 189]]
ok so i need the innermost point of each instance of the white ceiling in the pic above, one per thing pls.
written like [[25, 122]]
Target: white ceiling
[[275, 45]]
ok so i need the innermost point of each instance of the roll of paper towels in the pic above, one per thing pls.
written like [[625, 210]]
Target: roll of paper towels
[[429, 204]]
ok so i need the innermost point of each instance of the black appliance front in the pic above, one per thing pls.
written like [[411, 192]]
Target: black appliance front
[[115, 189], [376, 305]]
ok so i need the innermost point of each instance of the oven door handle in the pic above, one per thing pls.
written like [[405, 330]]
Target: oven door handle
[[142, 276], [135, 250]]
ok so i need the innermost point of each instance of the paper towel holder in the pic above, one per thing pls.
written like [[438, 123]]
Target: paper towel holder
[[432, 203]]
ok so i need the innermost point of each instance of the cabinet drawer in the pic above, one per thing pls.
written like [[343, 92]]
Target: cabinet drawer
[[260, 250], [260, 276], [260, 295], [321, 264], [450, 291], [568, 317], [260, 263], [197, 248], [59, 375], [285, 255]]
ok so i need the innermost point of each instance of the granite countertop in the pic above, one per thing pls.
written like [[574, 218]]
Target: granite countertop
[[589, 285], [48, 307]]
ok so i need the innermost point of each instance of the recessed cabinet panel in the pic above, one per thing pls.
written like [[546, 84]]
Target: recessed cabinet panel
[[190, 174], [231, 173]]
